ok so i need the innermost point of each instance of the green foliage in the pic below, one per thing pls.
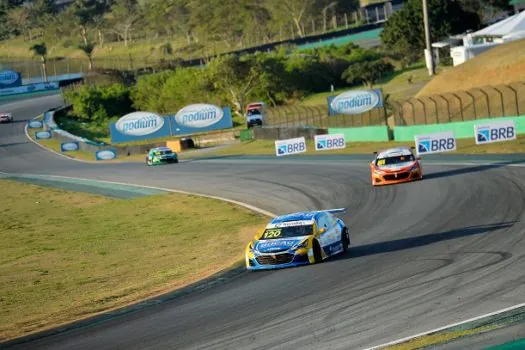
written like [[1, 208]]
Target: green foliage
[[404, 31], [367, 72], [98, 104]]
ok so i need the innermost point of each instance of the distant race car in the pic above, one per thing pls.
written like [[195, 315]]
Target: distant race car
[[395, 165], [298, 239], [161, 155], [6, 118]]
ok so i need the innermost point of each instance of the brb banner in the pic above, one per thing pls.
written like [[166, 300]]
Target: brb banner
[[328, 142], [495, 132], [355, 102], [189, 120], [435, 143], [290, 146]]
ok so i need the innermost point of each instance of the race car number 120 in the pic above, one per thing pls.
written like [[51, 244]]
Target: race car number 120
[[272, 233]]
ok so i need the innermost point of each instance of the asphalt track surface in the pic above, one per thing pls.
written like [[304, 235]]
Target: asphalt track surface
[[425, 254]]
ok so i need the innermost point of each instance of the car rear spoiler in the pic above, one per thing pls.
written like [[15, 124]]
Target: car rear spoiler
[[332, 211]]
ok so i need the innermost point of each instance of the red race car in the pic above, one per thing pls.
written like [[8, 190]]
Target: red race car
[[395, 165]]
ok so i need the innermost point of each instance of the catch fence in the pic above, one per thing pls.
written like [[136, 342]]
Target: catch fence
[[480, 103]]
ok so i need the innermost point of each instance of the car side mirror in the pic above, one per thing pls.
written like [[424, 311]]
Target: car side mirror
[[322, 230], [418, 157]]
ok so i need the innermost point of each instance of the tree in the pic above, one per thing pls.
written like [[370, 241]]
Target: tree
[[367, 72], [404, 30], [124, 15], [86, 13], [297, 10], [41, 50], [88, 50], [235, 78]]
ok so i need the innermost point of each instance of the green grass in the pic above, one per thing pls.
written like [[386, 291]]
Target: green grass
[[397, 86], [267, 147], [68, 255]]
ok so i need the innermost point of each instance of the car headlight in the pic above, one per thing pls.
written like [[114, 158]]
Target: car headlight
[[414, 167], [378, 171], [300, 245], [250, 246]]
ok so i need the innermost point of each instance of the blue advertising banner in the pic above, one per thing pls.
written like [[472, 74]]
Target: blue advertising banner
[[106, 154], [201, 118], [69, 146], [28, 88], [189, 120], [355, 102], [35, 124], [138, 126], [9, 79], [41, 135]]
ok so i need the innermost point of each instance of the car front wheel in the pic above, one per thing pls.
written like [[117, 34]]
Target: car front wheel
[[345, 239]]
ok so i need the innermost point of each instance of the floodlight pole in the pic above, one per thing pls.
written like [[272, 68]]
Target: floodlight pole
[[430, 59]]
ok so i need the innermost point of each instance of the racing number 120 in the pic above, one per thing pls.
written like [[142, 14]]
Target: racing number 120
[[272, 233]]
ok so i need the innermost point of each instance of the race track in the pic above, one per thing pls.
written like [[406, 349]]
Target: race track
[[424, 254]]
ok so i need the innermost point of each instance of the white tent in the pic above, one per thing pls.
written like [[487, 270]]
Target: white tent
[[509, 29]]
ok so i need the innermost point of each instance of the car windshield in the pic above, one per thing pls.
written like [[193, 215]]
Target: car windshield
[[253, 112], [161, 153], [394, 160], [287, 232]]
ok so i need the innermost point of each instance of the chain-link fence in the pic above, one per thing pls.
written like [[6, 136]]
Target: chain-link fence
[[317, 117], [485, 102]]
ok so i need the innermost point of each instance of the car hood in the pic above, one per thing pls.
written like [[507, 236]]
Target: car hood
[[277, 245], [396, 167]]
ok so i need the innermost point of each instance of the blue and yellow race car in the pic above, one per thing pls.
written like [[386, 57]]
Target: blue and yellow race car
[[298, 239], [161, 155]]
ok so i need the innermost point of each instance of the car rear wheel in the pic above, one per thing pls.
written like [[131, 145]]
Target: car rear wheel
[[318, 257], [345, 239]]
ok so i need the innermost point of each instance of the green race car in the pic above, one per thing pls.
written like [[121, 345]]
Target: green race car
[[161, 155]]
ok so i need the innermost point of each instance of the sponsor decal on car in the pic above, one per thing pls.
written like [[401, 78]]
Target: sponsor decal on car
[[199, 115], [139, 123]]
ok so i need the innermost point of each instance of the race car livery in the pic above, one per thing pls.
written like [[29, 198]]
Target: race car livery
[[298, 239], [395, 165], [161, 155], [6, 118]]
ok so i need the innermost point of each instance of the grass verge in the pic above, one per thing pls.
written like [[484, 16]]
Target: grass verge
[[400, 86], [69, 255]]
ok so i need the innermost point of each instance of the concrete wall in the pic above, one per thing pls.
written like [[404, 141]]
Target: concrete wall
[[462, 130], [364, 133]]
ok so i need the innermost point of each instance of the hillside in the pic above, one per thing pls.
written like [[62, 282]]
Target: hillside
[[501, 65]]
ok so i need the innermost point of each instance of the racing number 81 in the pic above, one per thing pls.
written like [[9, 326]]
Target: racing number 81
[[272, 233]]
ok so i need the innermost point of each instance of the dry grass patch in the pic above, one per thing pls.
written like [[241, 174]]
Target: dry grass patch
[[67, 255]]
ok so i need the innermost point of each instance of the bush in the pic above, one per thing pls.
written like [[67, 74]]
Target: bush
[[99, 103]]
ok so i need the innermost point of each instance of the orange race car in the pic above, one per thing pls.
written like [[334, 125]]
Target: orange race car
[[395, 165]]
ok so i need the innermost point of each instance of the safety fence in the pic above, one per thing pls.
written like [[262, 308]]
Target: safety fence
[[484, 102], [317, 117], [480, 103]]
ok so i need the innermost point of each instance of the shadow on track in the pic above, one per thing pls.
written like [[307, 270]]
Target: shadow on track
[[13, 144], [413, 242], [468, 170]]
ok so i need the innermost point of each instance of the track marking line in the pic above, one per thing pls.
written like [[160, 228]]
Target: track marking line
[[402, 340], [232, 201]]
